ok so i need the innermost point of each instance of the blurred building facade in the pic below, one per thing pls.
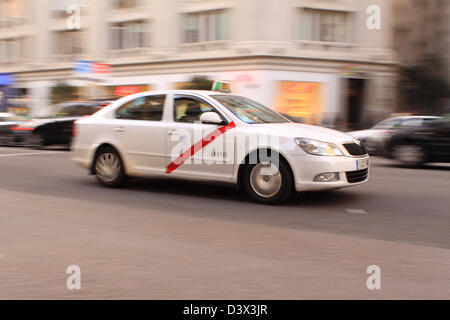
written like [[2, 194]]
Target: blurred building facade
[[422, 29], [422, 41], [315, 60]]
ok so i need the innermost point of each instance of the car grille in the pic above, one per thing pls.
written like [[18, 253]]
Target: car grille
[[357, 176], [355, 149]]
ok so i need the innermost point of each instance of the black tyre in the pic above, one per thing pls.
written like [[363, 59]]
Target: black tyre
[[268, 183], [108, 168], [36, 141], [409, 155]]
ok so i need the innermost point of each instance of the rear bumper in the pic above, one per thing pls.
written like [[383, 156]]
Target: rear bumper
[[82, 157], [81, 162]]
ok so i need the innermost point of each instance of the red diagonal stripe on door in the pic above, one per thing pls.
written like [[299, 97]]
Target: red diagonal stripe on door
[[198, 146]]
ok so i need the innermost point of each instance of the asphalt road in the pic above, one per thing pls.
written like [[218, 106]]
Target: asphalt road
[[167, 239]]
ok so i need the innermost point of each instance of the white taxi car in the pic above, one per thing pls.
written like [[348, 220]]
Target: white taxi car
[[209, 135]]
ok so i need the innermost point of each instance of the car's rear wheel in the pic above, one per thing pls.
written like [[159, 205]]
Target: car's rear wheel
[[109, 168], [267, 182], [36, 141], [409, 155]]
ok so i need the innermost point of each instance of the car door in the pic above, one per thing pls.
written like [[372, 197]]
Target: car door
[[140, 132], [439, 141], [195, 149]]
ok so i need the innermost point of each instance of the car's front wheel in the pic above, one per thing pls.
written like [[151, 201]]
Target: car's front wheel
[[409, 155], [267, 182], [109, 168]]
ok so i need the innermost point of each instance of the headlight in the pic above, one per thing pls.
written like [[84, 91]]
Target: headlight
[[318, 148]]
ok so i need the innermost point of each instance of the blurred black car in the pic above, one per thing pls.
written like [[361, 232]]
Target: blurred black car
[[57, 128], [415, 147]]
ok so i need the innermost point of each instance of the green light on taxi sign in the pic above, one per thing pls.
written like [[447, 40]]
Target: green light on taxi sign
[[222, 86]]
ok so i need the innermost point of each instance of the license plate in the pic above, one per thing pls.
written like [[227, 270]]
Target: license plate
[[362, 164]]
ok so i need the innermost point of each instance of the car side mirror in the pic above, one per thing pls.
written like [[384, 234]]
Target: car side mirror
[[211, 118]]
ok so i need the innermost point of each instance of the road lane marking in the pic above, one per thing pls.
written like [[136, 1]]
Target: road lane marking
[[358, 211], [10, 148], [30, 153]]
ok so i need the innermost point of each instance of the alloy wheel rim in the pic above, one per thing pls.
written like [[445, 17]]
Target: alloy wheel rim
[[265, 179], [107, 167]]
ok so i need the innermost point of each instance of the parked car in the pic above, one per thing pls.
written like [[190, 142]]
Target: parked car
[[376, 137], [55, 129], [417, 146]]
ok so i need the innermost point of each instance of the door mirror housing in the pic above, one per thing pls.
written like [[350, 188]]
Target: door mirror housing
[[211, 118]]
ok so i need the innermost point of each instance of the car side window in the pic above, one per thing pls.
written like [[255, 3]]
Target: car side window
[[429, 121], [387, 124], [440, 124], [416, 122], [148, 108], [189, 110]]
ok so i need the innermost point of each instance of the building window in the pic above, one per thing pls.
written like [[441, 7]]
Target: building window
[[126, 4], [325, 25], [12, 50], [68, 42], [205, 26], [13, 12], [128, 35]]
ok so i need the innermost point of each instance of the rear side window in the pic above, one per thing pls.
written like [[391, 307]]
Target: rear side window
[[148, 108], [416, 122], [429, 121]]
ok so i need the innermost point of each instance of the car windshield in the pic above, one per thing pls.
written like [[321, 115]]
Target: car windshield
[[248, 110]]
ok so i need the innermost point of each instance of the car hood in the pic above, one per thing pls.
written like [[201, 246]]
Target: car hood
[[301, 130]]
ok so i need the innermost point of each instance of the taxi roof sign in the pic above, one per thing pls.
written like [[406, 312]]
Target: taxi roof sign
[[222, 86]]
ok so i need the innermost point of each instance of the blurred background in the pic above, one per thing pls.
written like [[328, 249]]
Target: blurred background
[[316, 61]]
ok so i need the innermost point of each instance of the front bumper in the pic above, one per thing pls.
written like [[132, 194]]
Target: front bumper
[[307, 167]]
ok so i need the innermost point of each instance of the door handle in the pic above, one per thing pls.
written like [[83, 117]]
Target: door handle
[[119, 129], [173, 133]]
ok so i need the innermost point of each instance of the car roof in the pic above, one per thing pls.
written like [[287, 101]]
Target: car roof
[[178, 91], [71, 103], [414, 117]]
